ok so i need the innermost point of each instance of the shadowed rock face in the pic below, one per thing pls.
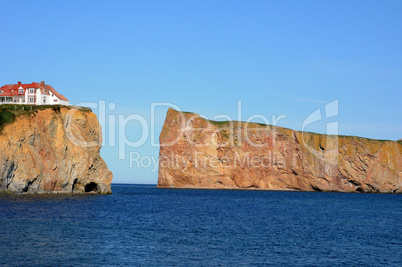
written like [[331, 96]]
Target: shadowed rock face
[[197, 153], [53, 150]]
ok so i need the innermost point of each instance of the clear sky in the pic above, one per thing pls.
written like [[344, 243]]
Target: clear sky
[[276, 57]]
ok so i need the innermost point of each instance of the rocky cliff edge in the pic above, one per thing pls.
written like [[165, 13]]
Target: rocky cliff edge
[[51, 150], [198, 153]]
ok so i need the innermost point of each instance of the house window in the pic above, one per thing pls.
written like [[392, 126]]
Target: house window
[[31, 91], [20, 92], [44, 91], [1, 91], [44, 100], [56, 100], [31, 99]]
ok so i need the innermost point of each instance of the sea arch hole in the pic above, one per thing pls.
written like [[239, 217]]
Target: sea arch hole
[[91, 187]]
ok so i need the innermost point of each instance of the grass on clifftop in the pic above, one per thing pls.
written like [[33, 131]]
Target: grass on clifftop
[[8, 112], [218, 123], [32, 108]]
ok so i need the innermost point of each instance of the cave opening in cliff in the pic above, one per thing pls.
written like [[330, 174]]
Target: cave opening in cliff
[[91, 187], [73, 187]]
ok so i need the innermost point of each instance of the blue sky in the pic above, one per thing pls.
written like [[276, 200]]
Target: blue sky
[[276, 57]]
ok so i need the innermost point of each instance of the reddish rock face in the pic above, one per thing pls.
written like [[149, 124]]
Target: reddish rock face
[[197, 153], [53, 150]]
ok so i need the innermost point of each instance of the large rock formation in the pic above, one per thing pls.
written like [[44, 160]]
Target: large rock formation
[[197, 153], [53, 149]]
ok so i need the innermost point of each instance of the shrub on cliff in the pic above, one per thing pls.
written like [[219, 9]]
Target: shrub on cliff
[[6, 117]]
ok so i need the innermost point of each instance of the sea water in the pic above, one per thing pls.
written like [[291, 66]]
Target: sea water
[[144, 225]]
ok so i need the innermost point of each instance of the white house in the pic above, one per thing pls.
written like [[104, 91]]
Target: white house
[[31, 94]]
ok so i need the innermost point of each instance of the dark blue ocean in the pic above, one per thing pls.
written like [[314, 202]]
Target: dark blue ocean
[[143, 225]]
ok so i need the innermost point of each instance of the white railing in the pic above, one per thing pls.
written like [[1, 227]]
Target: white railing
[[6, 102]]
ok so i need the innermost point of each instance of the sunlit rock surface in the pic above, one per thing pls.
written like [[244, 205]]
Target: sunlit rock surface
[[53, 150], [197, 153]]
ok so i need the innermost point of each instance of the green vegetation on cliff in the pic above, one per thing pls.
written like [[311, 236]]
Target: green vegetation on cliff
[[6, 117], [9, 112]]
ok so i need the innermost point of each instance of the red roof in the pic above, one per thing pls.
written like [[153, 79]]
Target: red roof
[[13, 89], [49, 89]]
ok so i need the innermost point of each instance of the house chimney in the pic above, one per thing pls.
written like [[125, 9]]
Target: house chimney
[[42, 82], [19, 82]]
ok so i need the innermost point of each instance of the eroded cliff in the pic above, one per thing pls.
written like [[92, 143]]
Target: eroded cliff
[[51, 149], [198, 153]]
